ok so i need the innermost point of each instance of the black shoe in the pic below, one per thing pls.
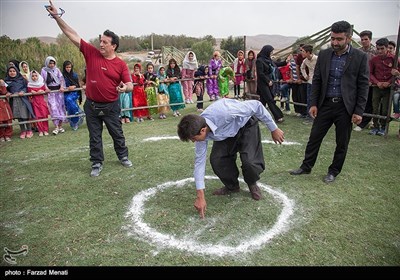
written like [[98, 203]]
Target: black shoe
[[329, 178], [225, 190], [299, 172]]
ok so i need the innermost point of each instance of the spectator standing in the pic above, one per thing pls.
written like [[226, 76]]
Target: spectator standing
[[106, 77], [339, 95]]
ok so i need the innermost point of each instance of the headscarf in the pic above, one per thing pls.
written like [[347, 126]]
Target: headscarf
[[150, 76], [69, 76], [15, 62], [161, 76], [190, 64], [51, 71], [21, 69], [201, 71], [17, 83], [35, 84], [265, 52]]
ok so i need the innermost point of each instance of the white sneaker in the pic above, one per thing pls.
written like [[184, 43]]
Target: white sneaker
[[55, 131], [126, 162], [357, 128], [96, 169]]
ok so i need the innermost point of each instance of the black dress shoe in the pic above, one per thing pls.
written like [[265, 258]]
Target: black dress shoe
[[299, 172], [255, 192], [329, 178]]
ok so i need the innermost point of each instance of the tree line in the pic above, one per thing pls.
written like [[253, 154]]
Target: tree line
[[34, 51]]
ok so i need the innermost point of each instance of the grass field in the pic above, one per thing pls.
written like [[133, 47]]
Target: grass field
[[144, 216]]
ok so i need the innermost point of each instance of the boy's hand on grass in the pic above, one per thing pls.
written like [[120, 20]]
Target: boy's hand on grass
[[200, 203]]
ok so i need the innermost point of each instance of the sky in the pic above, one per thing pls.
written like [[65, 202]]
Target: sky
[[23, 19]]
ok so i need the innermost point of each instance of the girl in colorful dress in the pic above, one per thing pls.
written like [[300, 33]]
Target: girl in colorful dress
[[162, 96], [150, 87], [139, 95], [199, 87], [212, 83], [24, 69], [224, 75], [125, 102], [6, 115], [174, 87], [71, 97], [189, 66], [54, 80], [250, 74], [239, 69], [21, 106], [37, 87], [25, 72]]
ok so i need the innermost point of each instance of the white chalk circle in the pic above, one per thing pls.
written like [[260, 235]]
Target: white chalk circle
[[283, 143], [158, 138], [136, 212]]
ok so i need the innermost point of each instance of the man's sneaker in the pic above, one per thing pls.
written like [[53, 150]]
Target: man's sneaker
[[255, 192], [381, 132], [96, 169], [373, 131], [357, 128], [126, 162]]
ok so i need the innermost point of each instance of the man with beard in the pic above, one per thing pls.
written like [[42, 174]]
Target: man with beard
[[339, 95]]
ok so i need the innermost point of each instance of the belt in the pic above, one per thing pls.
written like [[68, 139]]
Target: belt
[[334, 99]]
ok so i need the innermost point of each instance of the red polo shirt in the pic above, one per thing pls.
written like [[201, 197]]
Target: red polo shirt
[[103, 75]]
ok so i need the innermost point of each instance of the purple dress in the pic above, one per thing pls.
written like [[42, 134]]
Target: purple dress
[[212, 84]]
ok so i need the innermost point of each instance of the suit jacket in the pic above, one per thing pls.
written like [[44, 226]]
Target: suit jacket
[[354, 82]]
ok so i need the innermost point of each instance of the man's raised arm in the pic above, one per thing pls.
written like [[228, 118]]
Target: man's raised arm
[[65, 28]]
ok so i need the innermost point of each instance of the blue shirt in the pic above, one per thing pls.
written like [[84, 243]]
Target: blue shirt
[[225, 117], [335, 73]]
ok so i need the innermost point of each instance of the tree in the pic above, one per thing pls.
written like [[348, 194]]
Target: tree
[[232, 45], [203, 50], [210, 39]]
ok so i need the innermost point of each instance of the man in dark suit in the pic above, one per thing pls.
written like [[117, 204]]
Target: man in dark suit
[[339, 95]]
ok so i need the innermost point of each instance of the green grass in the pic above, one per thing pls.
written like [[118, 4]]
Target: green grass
[[49, 202]]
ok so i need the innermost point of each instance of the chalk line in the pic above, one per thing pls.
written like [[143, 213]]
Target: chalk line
[[153, 139], [159, 138], [283, 143], [165, 240]]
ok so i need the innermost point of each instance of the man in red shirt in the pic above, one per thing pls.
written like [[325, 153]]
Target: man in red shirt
[[381, 76], [106, 77]]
